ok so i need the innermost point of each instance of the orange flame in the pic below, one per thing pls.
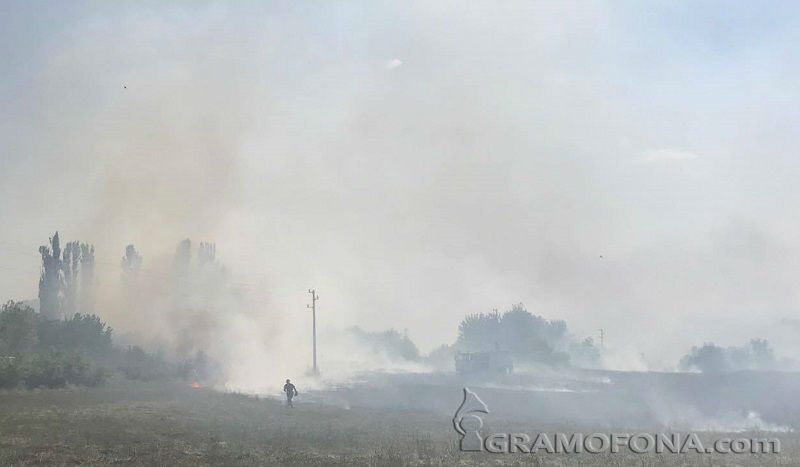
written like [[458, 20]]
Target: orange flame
[[195, 385]]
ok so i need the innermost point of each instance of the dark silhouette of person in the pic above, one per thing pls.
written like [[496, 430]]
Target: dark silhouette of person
[[290, 391]]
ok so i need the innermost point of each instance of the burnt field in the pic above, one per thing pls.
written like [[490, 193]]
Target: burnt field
[[697, 401], [388, 420]]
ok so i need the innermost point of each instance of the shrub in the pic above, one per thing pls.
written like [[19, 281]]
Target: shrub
[[17, 328], [140, 365], [45, 370], [55, 370], [10, 372], [85, 333]]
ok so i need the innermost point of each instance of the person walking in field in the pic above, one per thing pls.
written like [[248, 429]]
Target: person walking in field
[[290, 391]]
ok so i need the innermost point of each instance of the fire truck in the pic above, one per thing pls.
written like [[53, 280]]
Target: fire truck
[[492, 361]]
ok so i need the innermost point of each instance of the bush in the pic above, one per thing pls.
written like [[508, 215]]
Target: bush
[[710, 358], [10, 372], [17, 328], [80, 372], [45, 370], [55, 370], [391, 343], [39, 352], [84, 333], [137, 364]]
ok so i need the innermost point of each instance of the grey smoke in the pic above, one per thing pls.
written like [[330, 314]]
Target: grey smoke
[[515, 145]]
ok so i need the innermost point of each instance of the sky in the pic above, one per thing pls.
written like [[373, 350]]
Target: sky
[[629, 166]]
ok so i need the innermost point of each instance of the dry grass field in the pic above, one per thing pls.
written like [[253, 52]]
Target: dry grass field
[[176, 425]]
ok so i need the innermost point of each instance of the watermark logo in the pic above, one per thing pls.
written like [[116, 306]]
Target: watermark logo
[[468, 423]]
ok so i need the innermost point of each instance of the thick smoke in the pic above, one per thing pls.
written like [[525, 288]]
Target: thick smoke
[[414, 163]]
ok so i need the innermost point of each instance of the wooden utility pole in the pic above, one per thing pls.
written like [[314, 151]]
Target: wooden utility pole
[[313, 306]]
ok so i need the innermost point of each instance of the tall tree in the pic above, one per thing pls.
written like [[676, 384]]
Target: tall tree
[[183, 256], [211, 275], [206, 253], [70, 266], [50, 280], [130, 263], [87, 278], [181, 264]]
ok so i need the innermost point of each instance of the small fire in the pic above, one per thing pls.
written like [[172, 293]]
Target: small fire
[[195, 385]]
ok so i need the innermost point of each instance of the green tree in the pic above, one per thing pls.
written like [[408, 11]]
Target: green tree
[[130, 263], [478, 332], [50, 280], [183, 257], [17, 329], [761, 355], [69, 267], [529, 338], [86, 298], [585, 353], [82, 333], [707, 358], [391, 343]]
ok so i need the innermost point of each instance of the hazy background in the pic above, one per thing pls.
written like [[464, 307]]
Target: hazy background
[[621, 166]]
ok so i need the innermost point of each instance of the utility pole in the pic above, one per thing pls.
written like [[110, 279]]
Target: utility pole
[[313, 306], [602, 335]]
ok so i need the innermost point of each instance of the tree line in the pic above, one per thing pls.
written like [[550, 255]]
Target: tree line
[[65, 343], [36, 351], [66, 285]]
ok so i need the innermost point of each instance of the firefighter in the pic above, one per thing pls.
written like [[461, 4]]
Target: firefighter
[[290, 391]]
